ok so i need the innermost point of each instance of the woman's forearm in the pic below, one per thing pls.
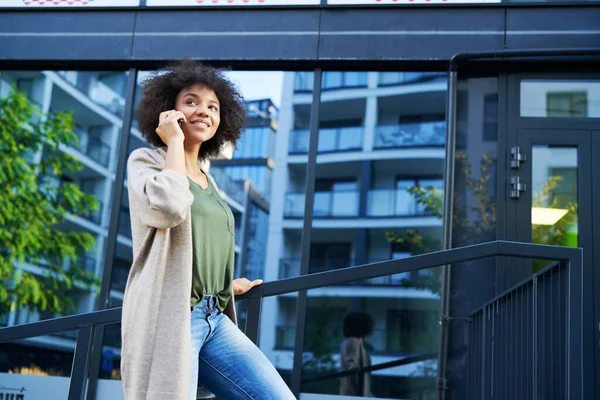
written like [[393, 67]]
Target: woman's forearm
[[176, 156]]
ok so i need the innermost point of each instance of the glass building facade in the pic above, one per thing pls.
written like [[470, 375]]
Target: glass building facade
[[342, 163]]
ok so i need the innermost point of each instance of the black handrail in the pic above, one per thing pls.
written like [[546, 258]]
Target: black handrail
[[86, 323]]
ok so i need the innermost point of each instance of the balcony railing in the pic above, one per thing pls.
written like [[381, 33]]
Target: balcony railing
[[401, 78], [538, 371], [233, 189], [345, 204], [425, 134], [87, 263], [92, 147], [330, 140], [393, 203], [96, 215], [332, 80], [339, 204]]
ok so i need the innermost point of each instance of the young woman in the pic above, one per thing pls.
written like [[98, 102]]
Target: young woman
[[178, 326]]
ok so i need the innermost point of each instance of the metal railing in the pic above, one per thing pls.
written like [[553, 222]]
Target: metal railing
[[516, 348], [572, 258], [422, 134], [330, 140]]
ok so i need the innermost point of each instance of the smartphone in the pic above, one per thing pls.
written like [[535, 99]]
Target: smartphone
[[180, 121]]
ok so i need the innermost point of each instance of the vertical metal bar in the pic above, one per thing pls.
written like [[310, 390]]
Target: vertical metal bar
[[442, 384], [79, 370], [111, 239], [243, 230], [563, 330], [534, 319], [575, 327], [253, 318], [307, 231], [484, 340]]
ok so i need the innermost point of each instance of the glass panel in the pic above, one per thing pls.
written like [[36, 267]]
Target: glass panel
[[560, 98], [473, 222], [246, 179], [347, 327], [554, 215], [62, 203], [37, 367], [366, 211]]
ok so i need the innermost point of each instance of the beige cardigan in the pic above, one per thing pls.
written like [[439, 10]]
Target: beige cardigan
[[155, 330]]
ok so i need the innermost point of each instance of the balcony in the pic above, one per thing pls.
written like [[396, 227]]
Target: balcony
[[87, 263], [425, 134], [96, 215], [92, 147], [332, 80], [402, 78], [330, 140], [233, 188], [345, 204], [98, 91], [339, 204], [393, 203]]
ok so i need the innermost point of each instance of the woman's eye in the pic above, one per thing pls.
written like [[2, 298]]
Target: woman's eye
[[213, 108], [191, 102]]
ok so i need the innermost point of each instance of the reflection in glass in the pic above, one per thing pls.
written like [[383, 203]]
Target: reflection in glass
[[83, 111], [560, 98], [34, 370], [378, 201], [554, 215]]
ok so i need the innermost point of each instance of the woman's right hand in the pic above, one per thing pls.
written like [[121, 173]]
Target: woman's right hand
[[168, 128]]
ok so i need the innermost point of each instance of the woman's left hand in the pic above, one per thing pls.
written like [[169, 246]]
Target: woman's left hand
[[242, 285]]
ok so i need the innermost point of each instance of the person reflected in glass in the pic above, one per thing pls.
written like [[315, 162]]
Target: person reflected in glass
[[353, 355], [179, 324]]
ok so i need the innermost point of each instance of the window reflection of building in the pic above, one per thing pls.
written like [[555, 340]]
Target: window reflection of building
[[380, 134], [97, 101]]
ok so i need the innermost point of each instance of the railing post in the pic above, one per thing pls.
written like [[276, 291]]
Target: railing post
[[442, 381], [575, 327], [253, 318], [79, 370]]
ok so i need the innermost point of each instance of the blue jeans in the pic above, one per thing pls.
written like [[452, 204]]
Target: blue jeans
[[230, 365]]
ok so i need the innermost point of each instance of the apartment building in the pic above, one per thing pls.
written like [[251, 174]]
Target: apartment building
[[380, 134]]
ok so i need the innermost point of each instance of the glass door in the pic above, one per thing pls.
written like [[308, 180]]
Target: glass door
[[550, 178]]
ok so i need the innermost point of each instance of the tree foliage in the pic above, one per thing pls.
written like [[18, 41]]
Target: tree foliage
[[35, 202], [474, 217]]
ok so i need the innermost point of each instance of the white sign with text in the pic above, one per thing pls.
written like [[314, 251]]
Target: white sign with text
[[69, 3], [387, 2], [214, 3], [36, 387]]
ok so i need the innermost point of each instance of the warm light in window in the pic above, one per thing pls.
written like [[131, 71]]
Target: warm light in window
[[546, 216]]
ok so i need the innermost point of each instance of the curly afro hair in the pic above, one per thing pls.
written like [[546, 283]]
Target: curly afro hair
[[160, 93], [358, 324]]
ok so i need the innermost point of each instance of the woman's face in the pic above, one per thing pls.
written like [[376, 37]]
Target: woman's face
[[202, 110]]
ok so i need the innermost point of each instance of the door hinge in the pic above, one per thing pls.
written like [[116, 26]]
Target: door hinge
[[517, 157], [516, 187]]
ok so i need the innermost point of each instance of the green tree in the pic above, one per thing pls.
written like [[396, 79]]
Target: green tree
[[470, 224], [477, 223], [35, 201]]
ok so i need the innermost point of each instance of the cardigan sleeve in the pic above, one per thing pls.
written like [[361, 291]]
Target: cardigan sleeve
[[162, 197]]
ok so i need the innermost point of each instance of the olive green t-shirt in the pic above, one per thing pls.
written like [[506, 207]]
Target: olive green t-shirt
[[213, 244]]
